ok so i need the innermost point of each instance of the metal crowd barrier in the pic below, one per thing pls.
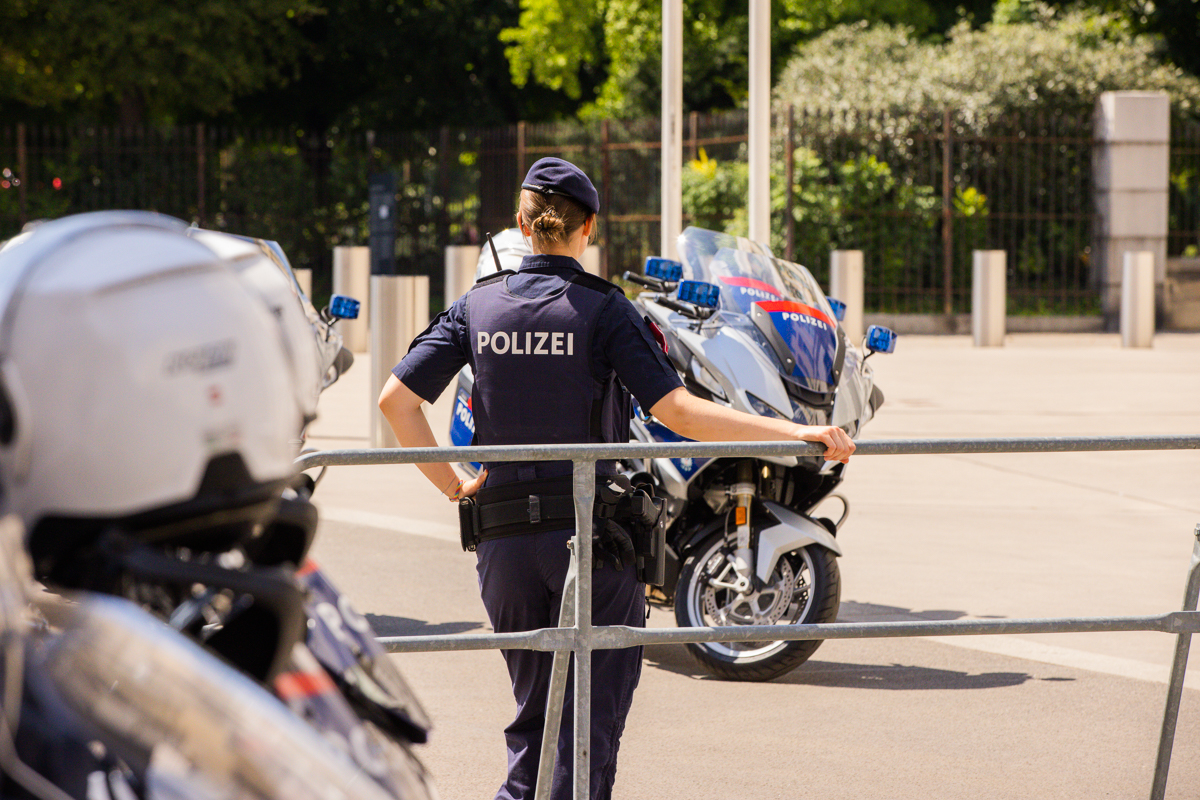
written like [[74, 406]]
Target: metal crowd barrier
[[575, 633]]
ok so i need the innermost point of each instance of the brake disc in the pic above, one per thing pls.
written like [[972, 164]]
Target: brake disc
[[765, 607]]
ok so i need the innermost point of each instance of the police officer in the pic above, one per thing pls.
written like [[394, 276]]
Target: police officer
[[553, 350]]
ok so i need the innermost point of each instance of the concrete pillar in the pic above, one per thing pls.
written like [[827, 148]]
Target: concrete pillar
[[759, 134], [846, 284], [989, 299], [1130, 169], [1137, 299], [304, 278], [399, 311], [591, 259], [351, 277], [672, 127], [461, 261]]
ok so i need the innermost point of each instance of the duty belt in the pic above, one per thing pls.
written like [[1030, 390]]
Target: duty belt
[[525, 507]]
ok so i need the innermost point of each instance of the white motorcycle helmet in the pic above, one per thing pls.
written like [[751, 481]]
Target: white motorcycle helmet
[[143, 385], [255, 264], [511, 248]]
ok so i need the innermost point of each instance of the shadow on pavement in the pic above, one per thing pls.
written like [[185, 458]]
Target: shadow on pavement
[[897, 677], [386, 625], [851, 611], [894, 677]]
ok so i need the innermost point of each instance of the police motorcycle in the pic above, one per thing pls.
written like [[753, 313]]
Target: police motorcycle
[[200, 518], [744, 544], [101, 701]]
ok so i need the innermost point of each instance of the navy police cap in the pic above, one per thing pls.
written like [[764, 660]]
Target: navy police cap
[[555, 176]]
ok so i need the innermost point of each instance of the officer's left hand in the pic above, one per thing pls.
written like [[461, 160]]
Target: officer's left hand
[[470, 487]]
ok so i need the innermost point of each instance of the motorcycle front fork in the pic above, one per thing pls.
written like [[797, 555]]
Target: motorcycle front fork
[[742, 558]]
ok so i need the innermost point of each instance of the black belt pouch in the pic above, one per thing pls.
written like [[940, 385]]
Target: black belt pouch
[[468, 523]]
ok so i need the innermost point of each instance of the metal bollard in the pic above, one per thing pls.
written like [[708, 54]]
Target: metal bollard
[[399, 311], [351, 277], [1137, 299], [989, 299], [846, 284], [461, 261], [304, 279]]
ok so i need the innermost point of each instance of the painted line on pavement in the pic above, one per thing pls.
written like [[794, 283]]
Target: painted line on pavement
[[391, 522], [1011, 646]]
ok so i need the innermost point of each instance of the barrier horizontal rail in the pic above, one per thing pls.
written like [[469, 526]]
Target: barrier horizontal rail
[[576, 635], [875, 447], [616, 637]]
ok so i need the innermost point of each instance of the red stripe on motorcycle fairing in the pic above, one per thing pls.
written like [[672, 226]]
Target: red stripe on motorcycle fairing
[[798, 308], [290, 685], [751, 283]]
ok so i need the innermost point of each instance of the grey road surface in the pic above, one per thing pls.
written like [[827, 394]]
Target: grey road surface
[[929, 537]]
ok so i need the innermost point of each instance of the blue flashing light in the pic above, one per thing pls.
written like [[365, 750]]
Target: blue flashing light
[[343, 307], [705, 295], [881, 339], [663, 268], [839, 308]]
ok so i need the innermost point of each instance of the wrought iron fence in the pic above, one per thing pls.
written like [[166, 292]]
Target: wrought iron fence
[[1183, 238], [915, 192]]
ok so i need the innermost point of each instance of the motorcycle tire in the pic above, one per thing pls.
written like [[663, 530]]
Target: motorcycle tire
[[809, 577]]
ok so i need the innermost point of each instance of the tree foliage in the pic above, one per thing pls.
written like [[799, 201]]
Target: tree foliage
[[139, 60], [557, 40], [407, 65], [1048, 60]]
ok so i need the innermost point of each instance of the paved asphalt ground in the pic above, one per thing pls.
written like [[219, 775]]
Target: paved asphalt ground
[[929, 537]]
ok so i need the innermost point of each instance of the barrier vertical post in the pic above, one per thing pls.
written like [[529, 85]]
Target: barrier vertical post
[[988, 298], [1166, 740], [558, 686], [846, 284], [584, 486], [1137, 299]]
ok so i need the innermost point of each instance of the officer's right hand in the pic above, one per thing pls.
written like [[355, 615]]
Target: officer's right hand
[[838, 444]]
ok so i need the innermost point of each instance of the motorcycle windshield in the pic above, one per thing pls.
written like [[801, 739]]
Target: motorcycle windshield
[[782, 299], [698, 246]]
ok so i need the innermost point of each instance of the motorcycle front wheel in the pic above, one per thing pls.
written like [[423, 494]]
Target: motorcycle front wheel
[[805, 588]]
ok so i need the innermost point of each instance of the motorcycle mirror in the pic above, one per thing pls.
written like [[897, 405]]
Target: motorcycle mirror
[[881, 339], [343, 307], [699, 293], [663, 268], [839, 308]]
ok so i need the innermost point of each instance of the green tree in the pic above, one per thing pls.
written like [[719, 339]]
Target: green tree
[[1037, 58], [558, 40], [141, 60], [411, 65]]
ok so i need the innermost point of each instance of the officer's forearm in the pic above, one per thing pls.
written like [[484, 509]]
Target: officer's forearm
[[401, 407], [705, 421]]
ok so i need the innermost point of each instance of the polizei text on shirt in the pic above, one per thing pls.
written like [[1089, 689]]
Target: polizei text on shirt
[[527, 343]]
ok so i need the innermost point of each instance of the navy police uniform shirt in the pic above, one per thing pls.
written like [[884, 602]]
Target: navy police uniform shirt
[[621, 343]]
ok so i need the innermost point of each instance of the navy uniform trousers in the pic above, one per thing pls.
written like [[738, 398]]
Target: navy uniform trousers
[[521, 582]]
